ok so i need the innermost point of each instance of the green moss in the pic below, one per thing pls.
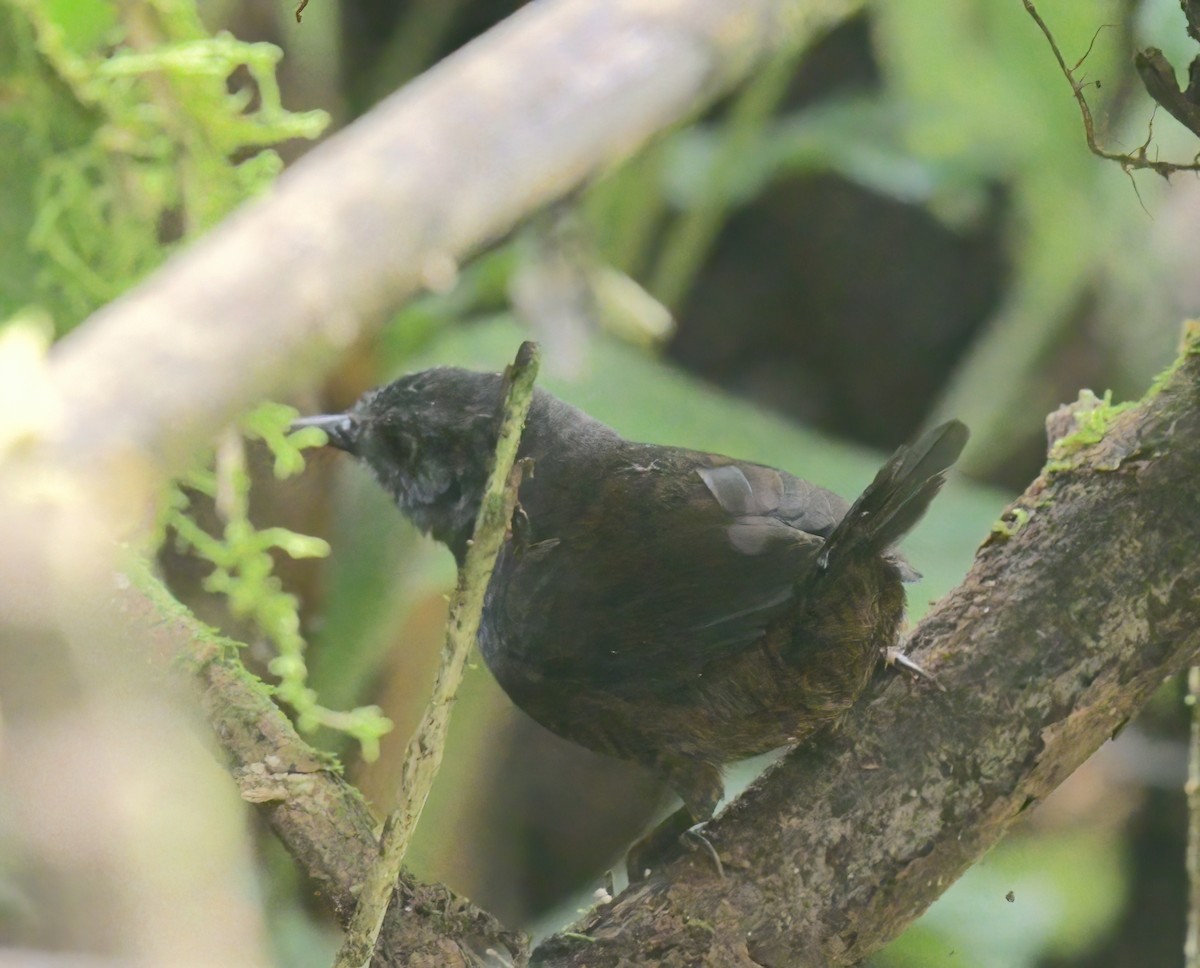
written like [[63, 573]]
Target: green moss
[[131, 134], [1093, 416], [1190, 339], [243, 567], [1189, 345], [1007, 529], [209, 648]]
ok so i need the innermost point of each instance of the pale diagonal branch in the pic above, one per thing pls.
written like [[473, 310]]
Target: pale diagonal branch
[[554, 96]]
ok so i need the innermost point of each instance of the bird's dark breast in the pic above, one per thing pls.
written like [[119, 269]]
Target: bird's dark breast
[[583, 630]]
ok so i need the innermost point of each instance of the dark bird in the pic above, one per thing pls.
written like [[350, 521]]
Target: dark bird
[[663, 605]]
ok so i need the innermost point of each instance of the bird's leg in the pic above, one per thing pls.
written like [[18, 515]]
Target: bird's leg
[[701, 788], [653, 848]]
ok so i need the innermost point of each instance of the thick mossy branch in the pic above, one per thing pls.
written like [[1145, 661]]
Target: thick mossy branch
[[1061, 631], [322, 820], [300, 791]]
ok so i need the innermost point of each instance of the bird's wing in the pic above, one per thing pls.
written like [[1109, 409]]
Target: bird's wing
[[672, 566], [774, 525], [758, 497]]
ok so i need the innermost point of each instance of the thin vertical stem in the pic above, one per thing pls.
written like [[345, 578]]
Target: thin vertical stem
[[424, 753]]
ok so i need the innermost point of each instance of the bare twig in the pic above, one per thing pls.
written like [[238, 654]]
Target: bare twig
[[424, 753], [1129, 162]]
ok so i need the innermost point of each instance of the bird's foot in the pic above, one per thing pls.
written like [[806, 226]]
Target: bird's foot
[[664, 840], [694, 838]]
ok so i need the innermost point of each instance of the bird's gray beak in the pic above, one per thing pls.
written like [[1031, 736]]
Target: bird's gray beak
[[339, 427]]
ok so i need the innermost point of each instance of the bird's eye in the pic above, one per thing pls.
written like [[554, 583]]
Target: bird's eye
[[403, 447]]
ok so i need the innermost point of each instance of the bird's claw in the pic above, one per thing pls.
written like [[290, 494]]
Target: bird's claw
[[695, 839], [662, 841]]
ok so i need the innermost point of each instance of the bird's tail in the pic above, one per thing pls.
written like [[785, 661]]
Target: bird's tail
[[895, 501]]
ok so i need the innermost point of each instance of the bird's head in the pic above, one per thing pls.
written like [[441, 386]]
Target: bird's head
[[428, 438]]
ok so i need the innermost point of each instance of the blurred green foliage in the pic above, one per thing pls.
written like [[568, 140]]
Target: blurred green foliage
[[128, 129], [243, 568], [1065, 888], [121, 137]]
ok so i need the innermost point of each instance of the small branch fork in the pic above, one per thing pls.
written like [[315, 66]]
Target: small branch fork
[[1138, 160], [424, 753]]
